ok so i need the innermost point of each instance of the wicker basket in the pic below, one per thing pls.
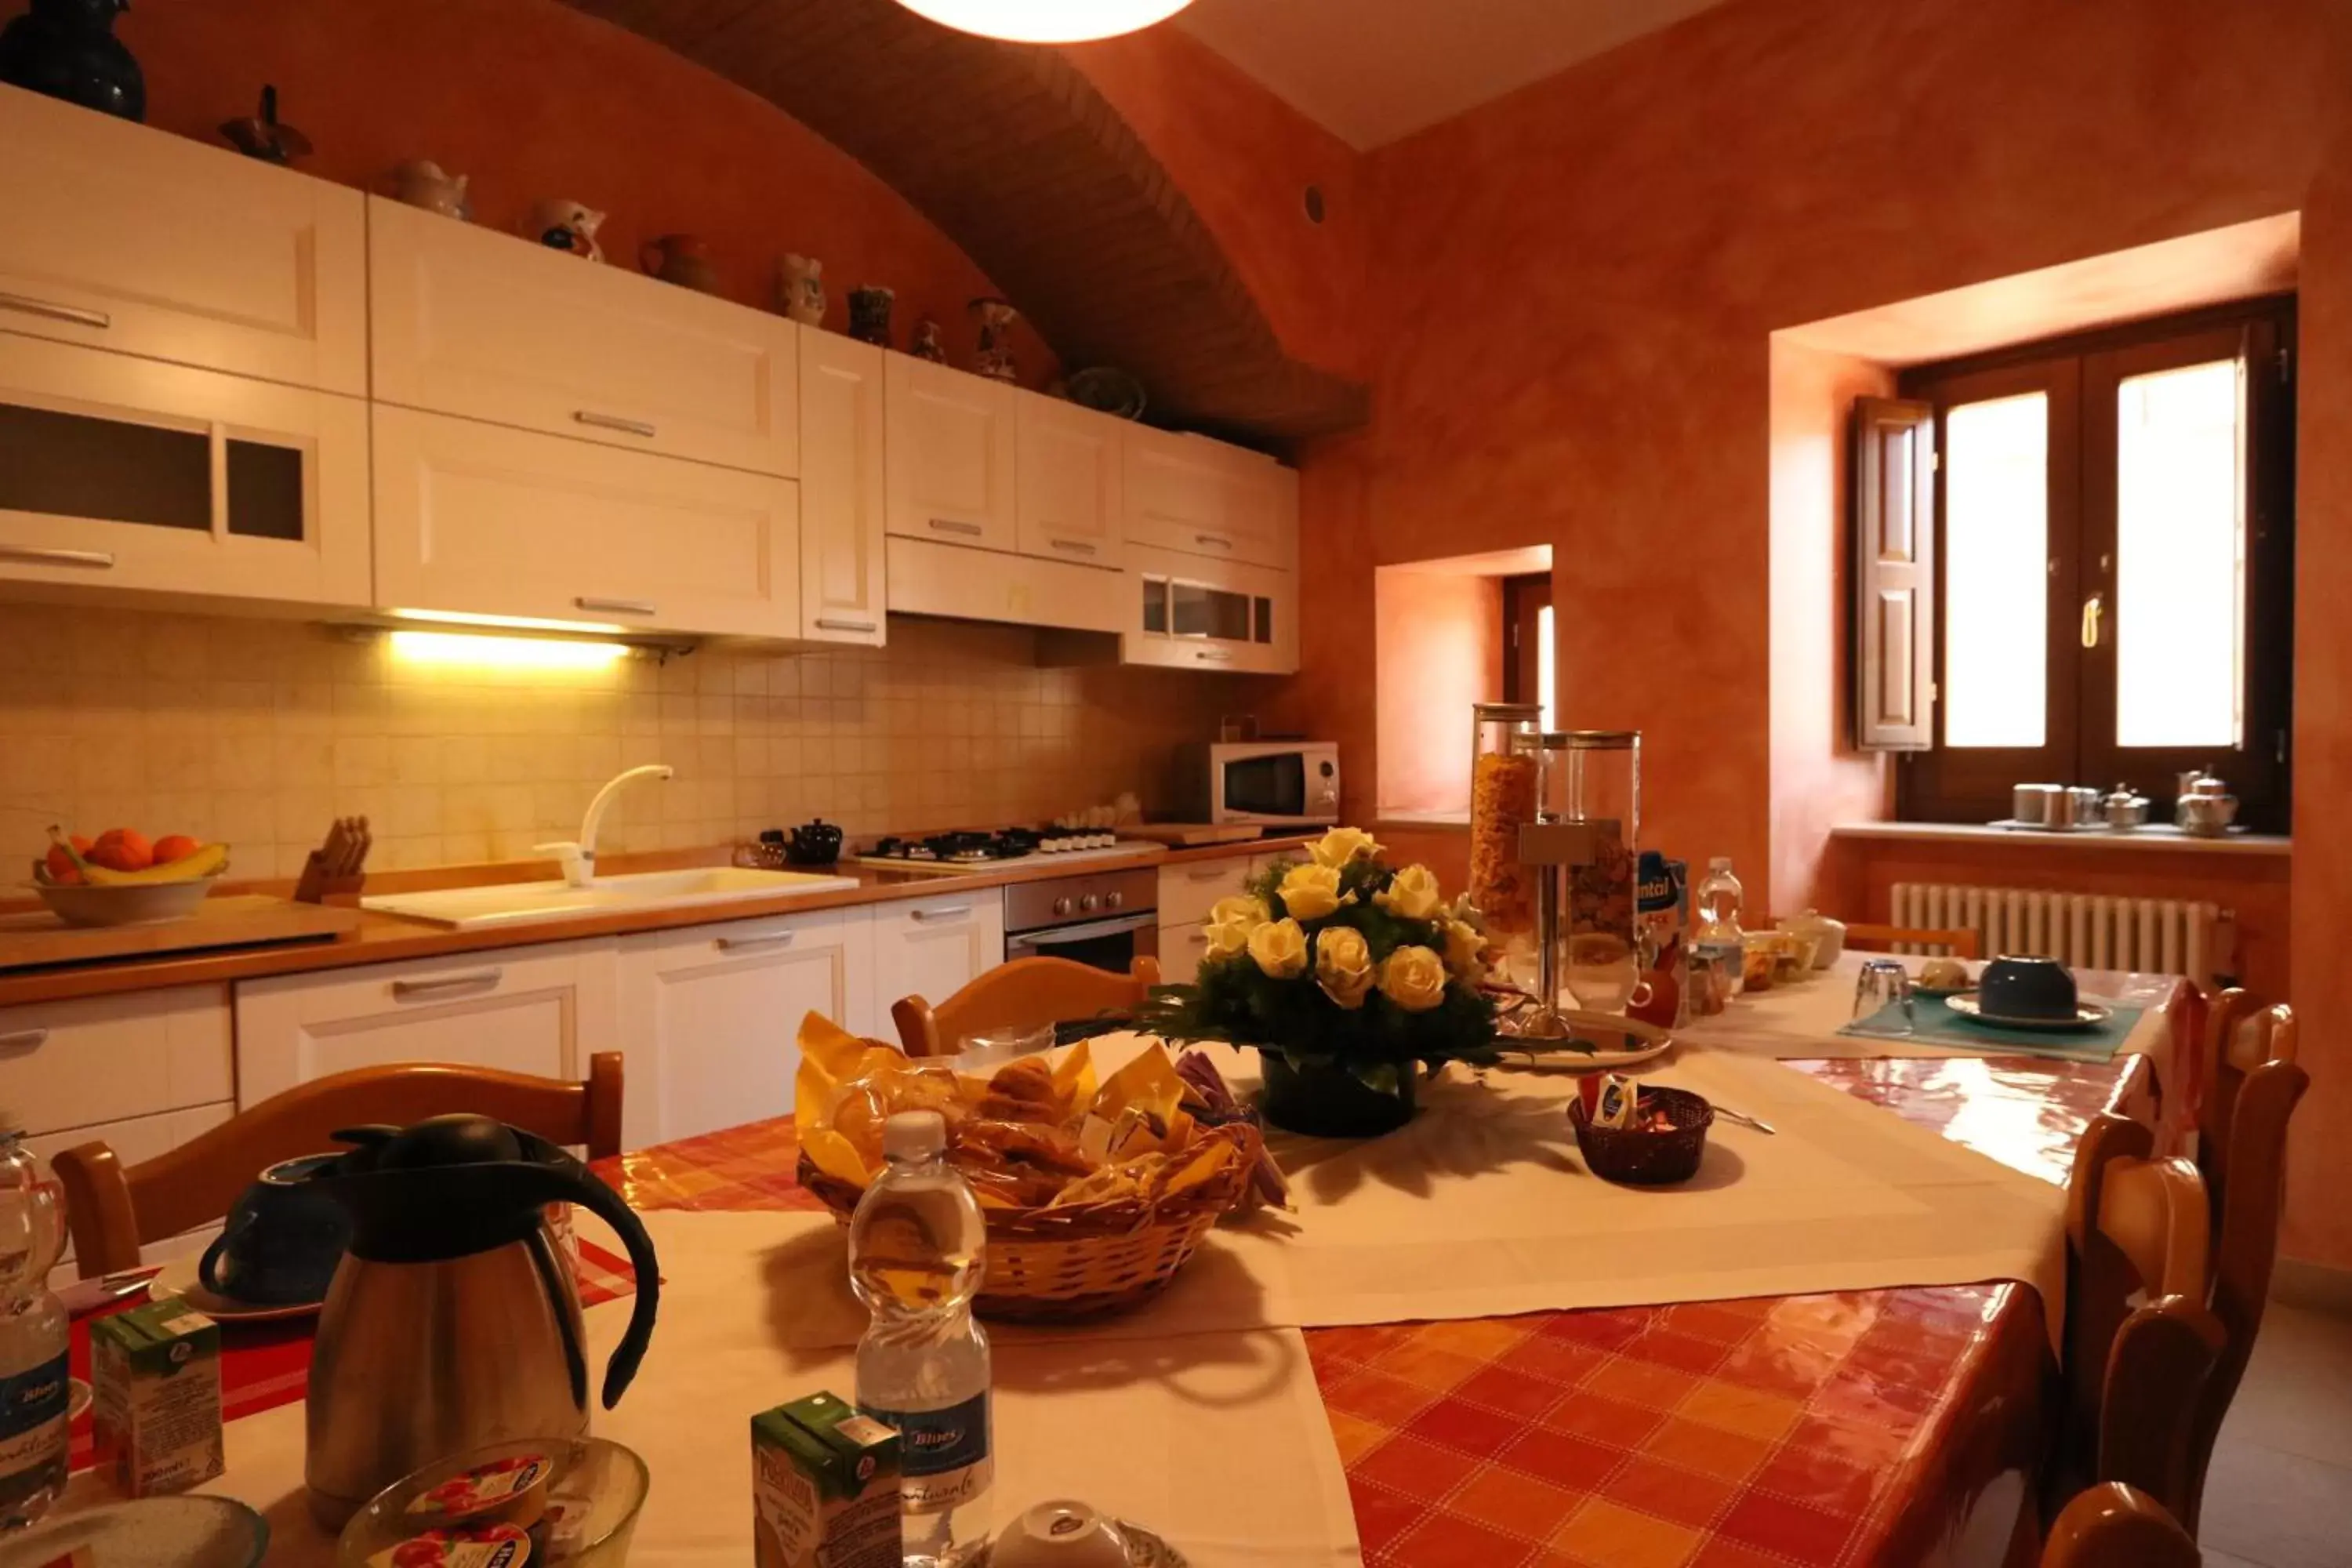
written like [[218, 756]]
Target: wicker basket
[[1084, 1261], [1641, 1158]]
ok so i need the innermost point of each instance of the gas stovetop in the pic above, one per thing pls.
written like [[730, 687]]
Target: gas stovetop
[[974, 851]]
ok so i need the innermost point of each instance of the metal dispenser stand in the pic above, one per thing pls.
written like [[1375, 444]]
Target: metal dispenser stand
[[1547, 850]]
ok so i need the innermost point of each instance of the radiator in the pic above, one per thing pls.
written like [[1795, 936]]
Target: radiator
[[2090, 931]]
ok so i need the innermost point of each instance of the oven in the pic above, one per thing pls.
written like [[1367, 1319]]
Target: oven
[[1106, 920]]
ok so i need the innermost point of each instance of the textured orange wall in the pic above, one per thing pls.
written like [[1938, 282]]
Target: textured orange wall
[[1440, 649], [534, 100]]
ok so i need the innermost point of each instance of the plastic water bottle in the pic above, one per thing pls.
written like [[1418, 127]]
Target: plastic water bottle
[[917, 1246], [1716, 940], [33, 1380]]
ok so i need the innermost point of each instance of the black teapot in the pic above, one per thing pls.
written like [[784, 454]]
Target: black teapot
[[815, 843], [67, 49]]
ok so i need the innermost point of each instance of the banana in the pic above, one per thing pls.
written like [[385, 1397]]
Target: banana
[[210, 860]]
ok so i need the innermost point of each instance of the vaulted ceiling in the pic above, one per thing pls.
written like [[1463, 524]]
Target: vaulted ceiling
[[1019, 160]]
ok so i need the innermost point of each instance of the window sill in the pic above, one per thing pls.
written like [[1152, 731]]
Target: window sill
[[2156, 837], [1412, 821]]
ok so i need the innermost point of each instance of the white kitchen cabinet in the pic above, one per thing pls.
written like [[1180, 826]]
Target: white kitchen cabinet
[[709, 1016], [951, 452], [1205, 498], [843, 478], [1187, 892], [118, 472], [483, 520], [933, 947], [123, 237], [1069, 481], [1192, 613], [473, 321], [543, 1010]]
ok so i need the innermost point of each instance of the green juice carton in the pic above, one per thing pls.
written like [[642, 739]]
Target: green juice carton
[[155, 1390], [824, 1487]]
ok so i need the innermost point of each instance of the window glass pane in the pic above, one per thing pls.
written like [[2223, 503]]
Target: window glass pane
[[74, 464], [2180, 556], [1205, 612], [1155, 605], [264, 491], [1995, 571]]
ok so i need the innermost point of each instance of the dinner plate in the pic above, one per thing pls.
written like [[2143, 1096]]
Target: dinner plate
[[2086, 1013], [1635, 1041], [178, 1277]]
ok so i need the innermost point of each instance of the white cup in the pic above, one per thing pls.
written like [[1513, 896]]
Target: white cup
[[1063, 1533]]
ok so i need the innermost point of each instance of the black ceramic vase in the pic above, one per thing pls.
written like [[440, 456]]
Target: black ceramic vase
[[67, 49], [1330, 1101]]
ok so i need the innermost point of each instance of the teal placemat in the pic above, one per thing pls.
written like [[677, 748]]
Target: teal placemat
[[1934, 1022]]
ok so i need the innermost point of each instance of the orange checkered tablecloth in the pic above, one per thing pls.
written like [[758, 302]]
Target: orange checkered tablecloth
[[1865, 1427]]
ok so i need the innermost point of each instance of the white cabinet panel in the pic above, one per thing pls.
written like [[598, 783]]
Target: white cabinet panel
[[543, 1010], [1069, 481], [952, 453], [483, 520], [934, 947], [1187, 890], [469, 321], [842, 487], [709, 1016], [74, 1064], [135, 1140], [120, 237], [119, 472], [1204, 498]]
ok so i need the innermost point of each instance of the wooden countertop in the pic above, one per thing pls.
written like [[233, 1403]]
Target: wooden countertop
[[385, 939]]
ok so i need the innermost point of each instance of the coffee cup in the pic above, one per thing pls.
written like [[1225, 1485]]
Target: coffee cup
[[281, 1241], [2025, 986], [1059, 1534]]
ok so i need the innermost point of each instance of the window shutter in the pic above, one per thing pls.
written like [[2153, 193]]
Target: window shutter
[[1894, 575]]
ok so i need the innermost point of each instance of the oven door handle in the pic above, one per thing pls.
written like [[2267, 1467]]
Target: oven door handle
[[1055, 936]]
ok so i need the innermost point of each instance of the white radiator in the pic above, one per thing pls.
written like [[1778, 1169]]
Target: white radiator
[[2090, 930]]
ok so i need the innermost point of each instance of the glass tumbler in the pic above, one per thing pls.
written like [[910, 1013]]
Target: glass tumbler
[[1883, 983]]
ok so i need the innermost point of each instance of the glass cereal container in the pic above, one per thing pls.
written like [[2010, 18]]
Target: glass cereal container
[[1506, 791]]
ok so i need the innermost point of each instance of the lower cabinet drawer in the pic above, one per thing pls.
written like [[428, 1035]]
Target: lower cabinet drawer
[[105, 1059], [135, 1140]]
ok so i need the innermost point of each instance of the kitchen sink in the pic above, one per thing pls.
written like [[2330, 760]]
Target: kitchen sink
[[511, 904]]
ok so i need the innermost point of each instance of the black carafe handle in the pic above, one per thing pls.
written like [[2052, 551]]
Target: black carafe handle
[[557, 1177]]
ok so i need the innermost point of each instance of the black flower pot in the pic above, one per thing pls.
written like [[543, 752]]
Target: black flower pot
[[67, 49], [1331, 1101]]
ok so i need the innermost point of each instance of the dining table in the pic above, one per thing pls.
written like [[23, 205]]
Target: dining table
[[1892, 1426]]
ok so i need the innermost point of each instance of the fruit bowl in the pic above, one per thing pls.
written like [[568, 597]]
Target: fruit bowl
[[123, 904]]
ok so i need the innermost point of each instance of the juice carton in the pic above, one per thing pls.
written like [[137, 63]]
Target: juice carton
[[824, 1487], [155, 1386]]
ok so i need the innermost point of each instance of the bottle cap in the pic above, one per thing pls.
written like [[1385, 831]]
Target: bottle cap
[[1719, 863], [914, 1135]]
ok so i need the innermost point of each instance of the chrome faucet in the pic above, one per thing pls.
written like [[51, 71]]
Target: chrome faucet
[[579, 858]]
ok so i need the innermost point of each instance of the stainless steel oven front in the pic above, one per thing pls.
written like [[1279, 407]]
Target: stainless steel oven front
[[1107, 920]]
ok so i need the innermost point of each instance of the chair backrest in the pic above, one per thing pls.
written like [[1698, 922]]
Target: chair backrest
[[111, 1210], [1861, 936], [2117, 1526], [1027, 994], [2137, 1230]]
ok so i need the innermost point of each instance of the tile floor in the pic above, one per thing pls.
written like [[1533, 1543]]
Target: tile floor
[[2280, 1493]]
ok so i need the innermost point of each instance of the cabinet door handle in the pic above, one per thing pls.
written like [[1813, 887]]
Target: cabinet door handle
[[1214, 655], [433, 985], [835, 624], [1074, 546], [2093, 608], [1208, 874], [24, 1040], [45, 555], [624, 425], [618, 606], [26, 304], [950, 912], [951, 525], [1219, 540], [750, 942]]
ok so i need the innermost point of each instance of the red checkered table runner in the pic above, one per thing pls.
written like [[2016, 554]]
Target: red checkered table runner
[[1862, 1426]]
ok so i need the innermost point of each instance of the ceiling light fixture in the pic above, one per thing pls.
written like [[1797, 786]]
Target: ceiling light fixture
[[1046, 21]]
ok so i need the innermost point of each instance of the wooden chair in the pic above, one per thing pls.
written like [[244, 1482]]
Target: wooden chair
[[1028, 993], [1863, 937], [2137, 1231], [2117, 1526], [111, 1210]]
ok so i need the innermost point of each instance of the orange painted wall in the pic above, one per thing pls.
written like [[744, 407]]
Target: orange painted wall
[[1441, 649], [531, 99]]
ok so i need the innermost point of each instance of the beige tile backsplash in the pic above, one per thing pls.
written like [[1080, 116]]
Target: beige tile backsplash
[[259, 732]]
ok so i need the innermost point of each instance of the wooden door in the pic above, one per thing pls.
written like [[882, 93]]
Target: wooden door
[[843, 477], [1070, 481], [952, 451]]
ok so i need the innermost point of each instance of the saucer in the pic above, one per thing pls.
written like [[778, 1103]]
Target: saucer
[[2086, 1013], [178, 1277]]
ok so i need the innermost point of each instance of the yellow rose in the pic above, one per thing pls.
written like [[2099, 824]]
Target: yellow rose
[[1412, 894], [1415, 979], [1341, 845], [1280, 949], [1466, 950], [1230, 922], [1310, 892], [1343, 965]]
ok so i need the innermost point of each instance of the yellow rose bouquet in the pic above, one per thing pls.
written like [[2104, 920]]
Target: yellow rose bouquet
[[1346, 976]]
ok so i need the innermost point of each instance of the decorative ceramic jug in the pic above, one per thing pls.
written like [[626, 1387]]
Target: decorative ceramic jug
[[67, 49], [995, 318], [799, 289], [562, 225], [682, 260], [927, 344], [421, 183], [869, 314]]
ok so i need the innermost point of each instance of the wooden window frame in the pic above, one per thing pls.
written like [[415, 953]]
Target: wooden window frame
[[1524, 597]]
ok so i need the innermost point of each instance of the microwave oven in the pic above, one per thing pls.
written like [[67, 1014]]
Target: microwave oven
[[1278, 783]]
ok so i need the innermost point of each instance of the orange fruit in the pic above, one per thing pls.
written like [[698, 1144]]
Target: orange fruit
[[174, 846], [121, 849], [60, 865]]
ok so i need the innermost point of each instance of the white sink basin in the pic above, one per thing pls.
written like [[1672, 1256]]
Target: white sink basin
[[510, 903]]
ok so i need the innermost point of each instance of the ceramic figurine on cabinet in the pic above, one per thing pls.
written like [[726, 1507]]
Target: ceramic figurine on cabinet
[[927, 344], [869, 314], [263, 135], [799, 289], [67, 49], [562, 225], [995, 318], [681, 259], [419, 183]]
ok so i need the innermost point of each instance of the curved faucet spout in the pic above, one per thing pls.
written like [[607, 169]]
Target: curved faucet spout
[[579, 860]]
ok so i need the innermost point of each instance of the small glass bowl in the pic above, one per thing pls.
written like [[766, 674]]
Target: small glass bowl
[[593, 1500]]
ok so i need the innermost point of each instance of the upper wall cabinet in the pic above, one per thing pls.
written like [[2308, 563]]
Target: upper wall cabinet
[[473, 321], [1203, 498], [1069, 481], [482, 519], [842, 484], [117, 236], [952, 453]]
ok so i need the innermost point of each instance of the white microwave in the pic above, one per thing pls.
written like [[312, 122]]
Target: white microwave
[[1279, 783]]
